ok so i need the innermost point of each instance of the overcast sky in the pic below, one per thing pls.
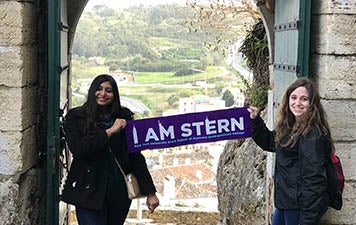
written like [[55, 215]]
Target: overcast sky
[[116, 4]]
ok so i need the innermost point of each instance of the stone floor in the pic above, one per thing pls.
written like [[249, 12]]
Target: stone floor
[[167, 217]]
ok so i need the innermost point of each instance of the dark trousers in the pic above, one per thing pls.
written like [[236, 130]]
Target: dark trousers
[[285, 217], [116, 208], [289, 217]]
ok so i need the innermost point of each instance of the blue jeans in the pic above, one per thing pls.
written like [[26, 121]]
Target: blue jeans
[[91, 217], [285, 217], [291, 217], [116, 207]]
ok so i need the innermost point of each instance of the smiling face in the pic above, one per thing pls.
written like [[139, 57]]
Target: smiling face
[[104, 94], [299, 101]]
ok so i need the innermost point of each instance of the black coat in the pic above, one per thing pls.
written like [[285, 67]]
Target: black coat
[[87, 181], [300, 181]]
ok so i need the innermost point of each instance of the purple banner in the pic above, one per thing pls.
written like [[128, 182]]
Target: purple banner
[[190, 128]]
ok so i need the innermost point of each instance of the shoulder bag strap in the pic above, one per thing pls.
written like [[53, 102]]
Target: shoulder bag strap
[[117, 163]]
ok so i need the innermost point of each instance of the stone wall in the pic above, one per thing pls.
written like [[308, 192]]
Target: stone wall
[[21, 115], [333, 62], [241, 181]]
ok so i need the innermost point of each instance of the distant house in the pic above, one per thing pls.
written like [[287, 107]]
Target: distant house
[[185, 181], [121, 76], [200, 103], [184, 172]]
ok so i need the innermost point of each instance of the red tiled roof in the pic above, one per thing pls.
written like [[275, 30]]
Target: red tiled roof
[[187, 184]]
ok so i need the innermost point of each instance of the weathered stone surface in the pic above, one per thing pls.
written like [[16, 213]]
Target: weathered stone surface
[[333, 6], [10, 109], [11, 25], [30, 106], [347, 214], [337, 75], [17, 66], [30, 147], [10, 156], [31, 203], [333, 34], [22, 201], [241, 180], [17, 23], [8, 199], [10, 64], [347, 154], [342, 119]]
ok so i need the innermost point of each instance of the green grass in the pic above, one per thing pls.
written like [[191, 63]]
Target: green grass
[[82, 72], [168, 78], [154, 77], [160, 41]]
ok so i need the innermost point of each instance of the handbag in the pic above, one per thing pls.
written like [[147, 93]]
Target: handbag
[[133, 189]]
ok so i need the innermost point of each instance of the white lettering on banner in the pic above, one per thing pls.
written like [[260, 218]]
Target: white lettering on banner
[[151, 135], [197, 126], [209, 126], [185, 128], [163, 131], [188, 129], [240, 124], [223, 125], [134, 134]]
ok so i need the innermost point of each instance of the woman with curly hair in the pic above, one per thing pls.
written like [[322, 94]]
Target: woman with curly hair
[[302, 143]]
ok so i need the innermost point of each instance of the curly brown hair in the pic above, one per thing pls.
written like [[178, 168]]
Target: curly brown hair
[[287, 124]]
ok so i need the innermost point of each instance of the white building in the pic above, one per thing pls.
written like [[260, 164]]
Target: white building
[[200, 103]]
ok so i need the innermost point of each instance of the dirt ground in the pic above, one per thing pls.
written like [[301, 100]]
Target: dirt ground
[[166, 217]]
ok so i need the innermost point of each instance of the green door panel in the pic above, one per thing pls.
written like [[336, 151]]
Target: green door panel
[[57, 104], [291, 55]]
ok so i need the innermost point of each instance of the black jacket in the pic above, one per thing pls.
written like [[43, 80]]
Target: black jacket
[[300, 181], [87, 180]]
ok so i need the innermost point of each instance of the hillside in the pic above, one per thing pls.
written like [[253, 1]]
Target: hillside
[[148, 39]]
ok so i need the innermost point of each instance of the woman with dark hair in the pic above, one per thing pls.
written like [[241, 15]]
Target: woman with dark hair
[[302, 143], [95, 134]]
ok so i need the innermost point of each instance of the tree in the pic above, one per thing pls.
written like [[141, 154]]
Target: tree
[[225, 20], [158, 34], [229, 98], [173, 101]]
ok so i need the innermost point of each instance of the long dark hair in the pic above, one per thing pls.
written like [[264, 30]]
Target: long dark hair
[[286, 123], [93, 112]]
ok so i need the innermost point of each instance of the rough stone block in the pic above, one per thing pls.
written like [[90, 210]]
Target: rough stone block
[[347, 154], [8, 198], [10, 154], [335, 73], [333, 34], [30, 106], [347, 214], [18, 66], [10, 109], [242, 185], [14, 29], [11, 66], [341, 118], [333, 6], [30, 149], [11, 24]]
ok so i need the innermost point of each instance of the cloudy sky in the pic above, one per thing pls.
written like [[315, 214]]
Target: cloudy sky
[[116, 4]]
